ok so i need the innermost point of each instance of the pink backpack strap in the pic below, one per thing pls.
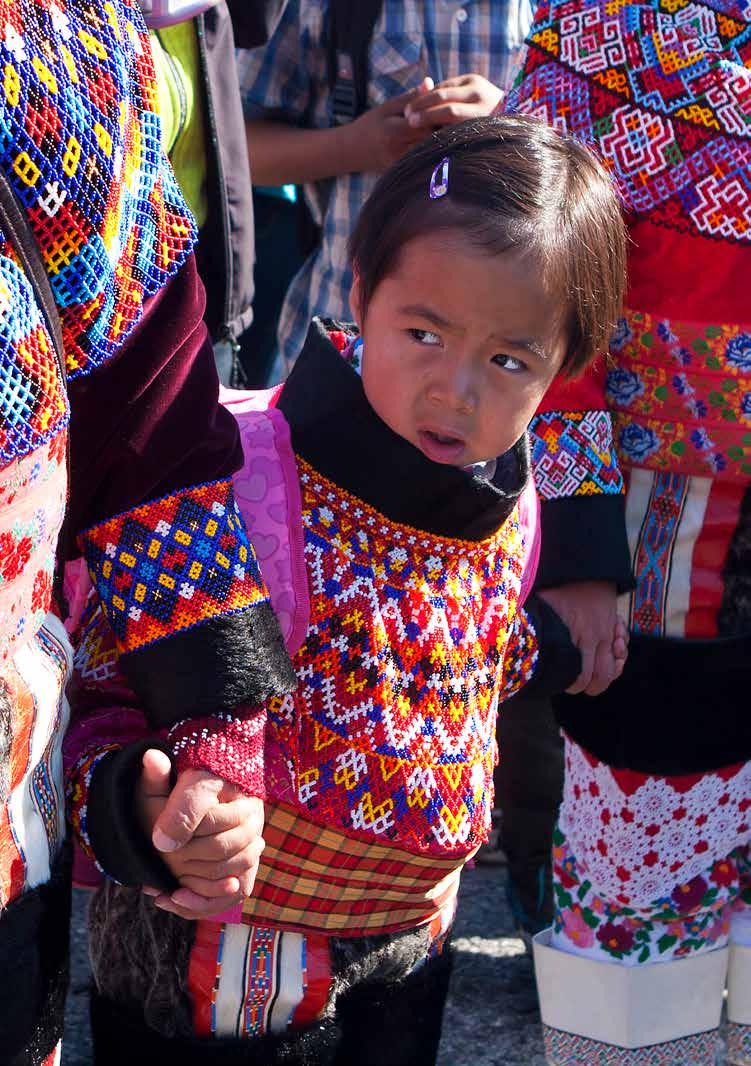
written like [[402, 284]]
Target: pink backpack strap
[[529, 519], [267, 489]]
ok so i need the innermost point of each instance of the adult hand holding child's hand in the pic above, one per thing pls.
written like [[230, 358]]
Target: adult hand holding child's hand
[[208, 833], [589, 610]]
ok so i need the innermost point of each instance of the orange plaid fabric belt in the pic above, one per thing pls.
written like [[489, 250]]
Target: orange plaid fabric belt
[[313, 879]]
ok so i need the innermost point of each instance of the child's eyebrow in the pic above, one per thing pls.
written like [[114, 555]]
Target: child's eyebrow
[[426, 312], [528, 344]]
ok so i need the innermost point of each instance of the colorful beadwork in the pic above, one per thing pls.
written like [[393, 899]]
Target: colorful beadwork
[[569, 1049], [572, 454], [662, 91], [739, 1044], [88, 167], [80, 776], [521, 659], [650, 92], [391, 729], [33, 400], [173, 563]]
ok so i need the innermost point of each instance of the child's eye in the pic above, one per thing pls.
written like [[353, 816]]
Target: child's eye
[[424, 336], [507, 362]]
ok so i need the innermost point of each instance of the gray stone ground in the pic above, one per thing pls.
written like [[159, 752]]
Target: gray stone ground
[[491, 1018]]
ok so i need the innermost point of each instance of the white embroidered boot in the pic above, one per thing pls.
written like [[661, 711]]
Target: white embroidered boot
[[597, 1013]]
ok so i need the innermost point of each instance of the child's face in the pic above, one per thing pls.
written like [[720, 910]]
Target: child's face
[[460, 347]]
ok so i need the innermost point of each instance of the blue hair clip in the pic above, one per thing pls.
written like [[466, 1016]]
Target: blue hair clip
[[439, 180]]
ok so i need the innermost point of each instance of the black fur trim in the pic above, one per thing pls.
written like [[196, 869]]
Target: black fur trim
[[221, 664], [680, 707], [34, 969], [395, 1022], [117, 838], [584, 539], [139, 959], [121, 1038], [334, 428]]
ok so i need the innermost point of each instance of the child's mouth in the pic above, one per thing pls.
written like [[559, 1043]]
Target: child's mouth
[[440, 447]]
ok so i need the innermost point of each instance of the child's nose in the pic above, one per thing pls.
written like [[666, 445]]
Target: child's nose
[[456, 389]]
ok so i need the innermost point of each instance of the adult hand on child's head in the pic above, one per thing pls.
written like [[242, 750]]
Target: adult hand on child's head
[[208, 832], [588, 609], [382, 135], [454, 100]]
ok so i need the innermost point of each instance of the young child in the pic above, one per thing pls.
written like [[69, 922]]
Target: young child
[[386, 488]]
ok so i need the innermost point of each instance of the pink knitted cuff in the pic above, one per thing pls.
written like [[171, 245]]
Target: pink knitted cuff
[[227, 746]]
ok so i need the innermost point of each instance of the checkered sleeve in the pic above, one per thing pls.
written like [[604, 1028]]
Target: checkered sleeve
[[277, 75]]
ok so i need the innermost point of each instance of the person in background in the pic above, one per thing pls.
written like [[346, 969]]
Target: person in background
[[203, 133], [112, 447], [429, 63], [652, 876]]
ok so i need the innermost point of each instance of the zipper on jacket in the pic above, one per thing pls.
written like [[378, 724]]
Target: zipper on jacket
[[224, 331]]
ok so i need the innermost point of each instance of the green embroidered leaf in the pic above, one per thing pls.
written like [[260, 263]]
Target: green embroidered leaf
[[584, 889], [661, 392], [713, 362], [678, 447], [644, 955], [665, 943], [716, 398]]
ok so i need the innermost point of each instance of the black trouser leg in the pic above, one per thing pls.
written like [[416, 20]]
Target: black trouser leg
[[529, 784], [395, 1024]]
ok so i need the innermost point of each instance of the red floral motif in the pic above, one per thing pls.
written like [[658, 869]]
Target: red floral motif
[[14, 555], [688, 897], [615, 938], [723, 873], [42, 594]]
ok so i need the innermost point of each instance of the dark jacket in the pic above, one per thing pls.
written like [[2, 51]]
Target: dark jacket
[[225, 251]]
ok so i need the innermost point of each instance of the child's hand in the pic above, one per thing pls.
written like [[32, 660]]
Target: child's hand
[[453, 100], [620, 645], [209, 835], [588, 609]]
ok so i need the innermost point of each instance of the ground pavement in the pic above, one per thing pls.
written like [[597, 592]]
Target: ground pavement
[[491, 1017]]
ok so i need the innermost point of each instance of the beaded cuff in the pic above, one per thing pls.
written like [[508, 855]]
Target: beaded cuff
[[172, 564]]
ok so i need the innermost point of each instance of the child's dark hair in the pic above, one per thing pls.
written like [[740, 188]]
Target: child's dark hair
[[514, 183]]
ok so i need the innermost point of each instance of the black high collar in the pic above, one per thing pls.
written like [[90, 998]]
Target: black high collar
[[335, 429]]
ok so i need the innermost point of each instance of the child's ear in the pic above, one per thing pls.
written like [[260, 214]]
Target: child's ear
[[355, 299]]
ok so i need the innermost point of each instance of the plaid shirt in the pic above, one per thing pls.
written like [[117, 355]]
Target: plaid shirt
[[414, 38]]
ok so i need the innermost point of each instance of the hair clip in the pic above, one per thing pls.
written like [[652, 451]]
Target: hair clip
[[439, 180]]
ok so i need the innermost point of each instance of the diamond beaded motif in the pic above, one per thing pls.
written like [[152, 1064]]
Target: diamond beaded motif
[[80, 145], [173, 563], [647, 85], [391, 731]]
